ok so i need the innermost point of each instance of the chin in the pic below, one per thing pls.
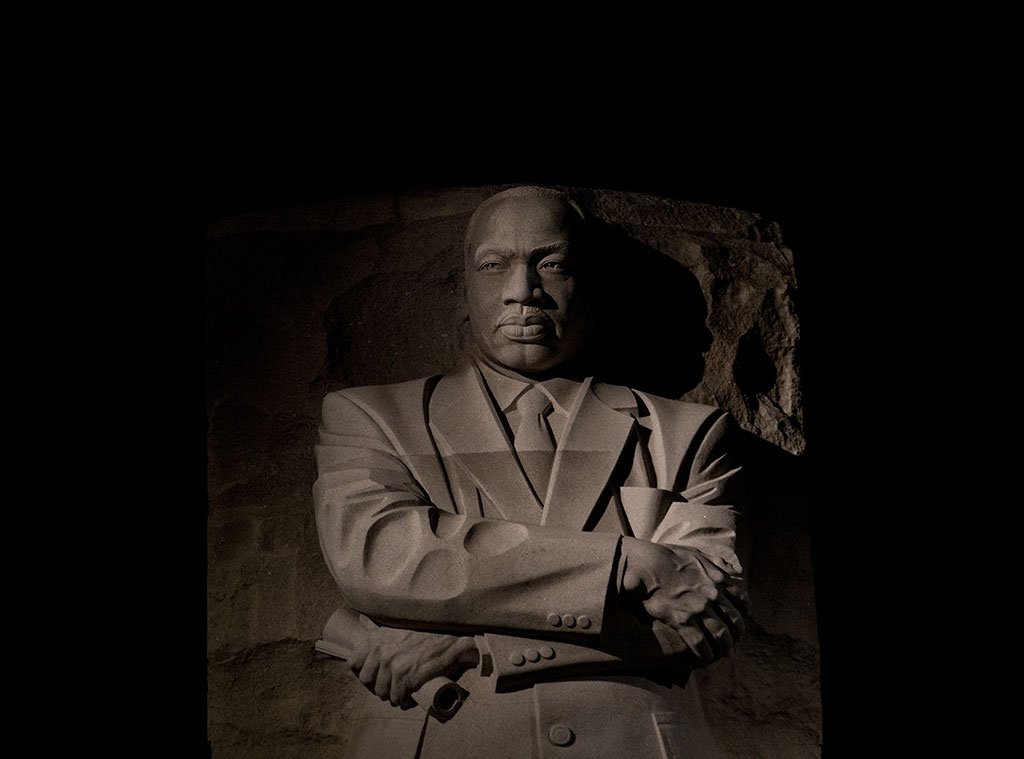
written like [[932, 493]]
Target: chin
[[528, 359]]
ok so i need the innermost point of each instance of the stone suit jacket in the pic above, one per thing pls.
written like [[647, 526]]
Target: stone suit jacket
[[428, 522]]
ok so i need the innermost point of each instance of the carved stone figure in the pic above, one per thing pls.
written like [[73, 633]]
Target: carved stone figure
[[560, 547]]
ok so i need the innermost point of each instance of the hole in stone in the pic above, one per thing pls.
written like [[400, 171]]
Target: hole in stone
[[753, 369]]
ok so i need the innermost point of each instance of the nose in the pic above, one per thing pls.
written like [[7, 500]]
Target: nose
[[522, 285]]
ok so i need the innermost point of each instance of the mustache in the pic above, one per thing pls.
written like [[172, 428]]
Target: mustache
[[523, 316]]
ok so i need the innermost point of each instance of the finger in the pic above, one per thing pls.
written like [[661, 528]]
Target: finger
[[382, 685], [676, 610], [398, 689], [692, 634], [707, 651], [737, 592], [732, 616], [357, 657], [718, 635], [692, 575], [692, 561], [694, 638], [691, 579], [368, 673], [691, 601]]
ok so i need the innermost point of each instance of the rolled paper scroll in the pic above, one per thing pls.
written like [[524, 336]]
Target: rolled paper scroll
[[440, 696]]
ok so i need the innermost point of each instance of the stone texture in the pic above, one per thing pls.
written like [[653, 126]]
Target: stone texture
[[278, 700], [764, 700], [369, 290]]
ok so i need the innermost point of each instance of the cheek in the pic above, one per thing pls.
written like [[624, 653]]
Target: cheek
[[578, 312], [569, 298], [480, 303], [560, 290]]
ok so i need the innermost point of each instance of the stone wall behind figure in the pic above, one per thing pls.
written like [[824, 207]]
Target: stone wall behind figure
[[305, 300]]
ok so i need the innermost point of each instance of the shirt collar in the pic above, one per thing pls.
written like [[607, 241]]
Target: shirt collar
[[507, 389]]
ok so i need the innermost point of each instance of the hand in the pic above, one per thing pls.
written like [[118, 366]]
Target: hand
[[730, 608], [685, 591], [394, 663]]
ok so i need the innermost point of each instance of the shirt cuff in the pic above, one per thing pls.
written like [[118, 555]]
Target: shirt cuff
[[618, 569], [486, 664]]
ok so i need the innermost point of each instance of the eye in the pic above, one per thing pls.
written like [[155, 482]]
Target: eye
[[553, 264], [490, 266]]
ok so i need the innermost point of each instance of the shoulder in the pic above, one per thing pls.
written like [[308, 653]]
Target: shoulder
[[375, 400], [671, 408], [645, 405], [686, 422], [374, 394]]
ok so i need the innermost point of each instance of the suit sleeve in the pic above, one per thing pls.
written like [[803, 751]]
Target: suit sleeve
[[700, 514], [405, 562]]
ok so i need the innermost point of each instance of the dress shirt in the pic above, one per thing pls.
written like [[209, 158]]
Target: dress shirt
[[507, 390]]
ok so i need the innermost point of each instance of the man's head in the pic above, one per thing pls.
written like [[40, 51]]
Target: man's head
[[530, 283]]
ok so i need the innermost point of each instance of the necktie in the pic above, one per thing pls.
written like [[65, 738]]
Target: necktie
[[534, 441]]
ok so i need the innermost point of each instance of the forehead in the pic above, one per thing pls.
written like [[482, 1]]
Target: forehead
[[521, 223]]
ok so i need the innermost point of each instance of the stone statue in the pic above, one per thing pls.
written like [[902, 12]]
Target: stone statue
[[560, 548]]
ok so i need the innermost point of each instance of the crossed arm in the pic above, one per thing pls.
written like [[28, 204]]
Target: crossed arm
[[448, 585]]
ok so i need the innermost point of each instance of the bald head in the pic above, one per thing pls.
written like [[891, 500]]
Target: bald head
[[528, 286], [524, 197]]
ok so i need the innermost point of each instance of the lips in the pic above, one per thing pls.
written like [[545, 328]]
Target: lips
[[525, 328], [524, 333]]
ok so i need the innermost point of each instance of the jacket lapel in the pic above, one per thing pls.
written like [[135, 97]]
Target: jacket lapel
[[464, 419], [590, 449]]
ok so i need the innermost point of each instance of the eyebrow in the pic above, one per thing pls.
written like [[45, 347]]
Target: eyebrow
[[545, 249], [539, 250]]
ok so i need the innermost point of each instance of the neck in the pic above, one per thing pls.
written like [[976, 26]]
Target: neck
[[576, 371]]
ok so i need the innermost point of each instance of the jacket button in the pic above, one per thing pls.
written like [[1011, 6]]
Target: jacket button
[[547, 652], [554, 620], [583, 621], [532, 654], [560, 735], [516, 659], [569, 620]]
